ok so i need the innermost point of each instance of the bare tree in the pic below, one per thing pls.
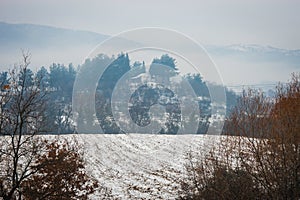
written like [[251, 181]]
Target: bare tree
[[26, 158], [21, 108], [262, 159]]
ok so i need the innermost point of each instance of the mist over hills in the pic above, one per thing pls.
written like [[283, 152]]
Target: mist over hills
[[252, 65], [40, 37], [46, 44], [240, 64], [256, 53]]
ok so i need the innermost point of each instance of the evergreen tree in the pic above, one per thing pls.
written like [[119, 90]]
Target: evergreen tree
[[44, 77]]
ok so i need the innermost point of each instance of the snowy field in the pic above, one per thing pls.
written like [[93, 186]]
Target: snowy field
[[142, 166]]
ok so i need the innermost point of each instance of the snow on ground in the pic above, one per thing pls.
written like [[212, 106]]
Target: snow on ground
[[142, 166]]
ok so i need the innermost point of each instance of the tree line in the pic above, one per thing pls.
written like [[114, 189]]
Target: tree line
[[58, 83]]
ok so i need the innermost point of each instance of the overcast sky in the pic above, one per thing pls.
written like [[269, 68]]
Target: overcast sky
[[274, 22]]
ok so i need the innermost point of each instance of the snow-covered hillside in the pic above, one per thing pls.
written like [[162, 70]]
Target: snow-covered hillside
[[142, 166]]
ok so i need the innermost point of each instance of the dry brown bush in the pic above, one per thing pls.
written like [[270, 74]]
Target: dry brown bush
[[262, 159], [60, 174]]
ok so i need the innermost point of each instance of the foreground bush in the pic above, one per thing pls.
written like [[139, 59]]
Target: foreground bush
[[262, 159]]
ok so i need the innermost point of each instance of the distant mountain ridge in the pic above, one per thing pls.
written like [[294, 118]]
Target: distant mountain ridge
[[260, 48], [250, 63], [40, 36], [46, 44], [256, 52]]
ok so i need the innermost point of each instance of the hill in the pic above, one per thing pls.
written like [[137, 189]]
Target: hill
[[40, 37], [46, 44]]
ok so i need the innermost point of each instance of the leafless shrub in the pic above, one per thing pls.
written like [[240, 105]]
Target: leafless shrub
[[262, 160]]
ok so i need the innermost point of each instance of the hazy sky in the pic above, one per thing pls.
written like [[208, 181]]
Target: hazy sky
[[273, 22]]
